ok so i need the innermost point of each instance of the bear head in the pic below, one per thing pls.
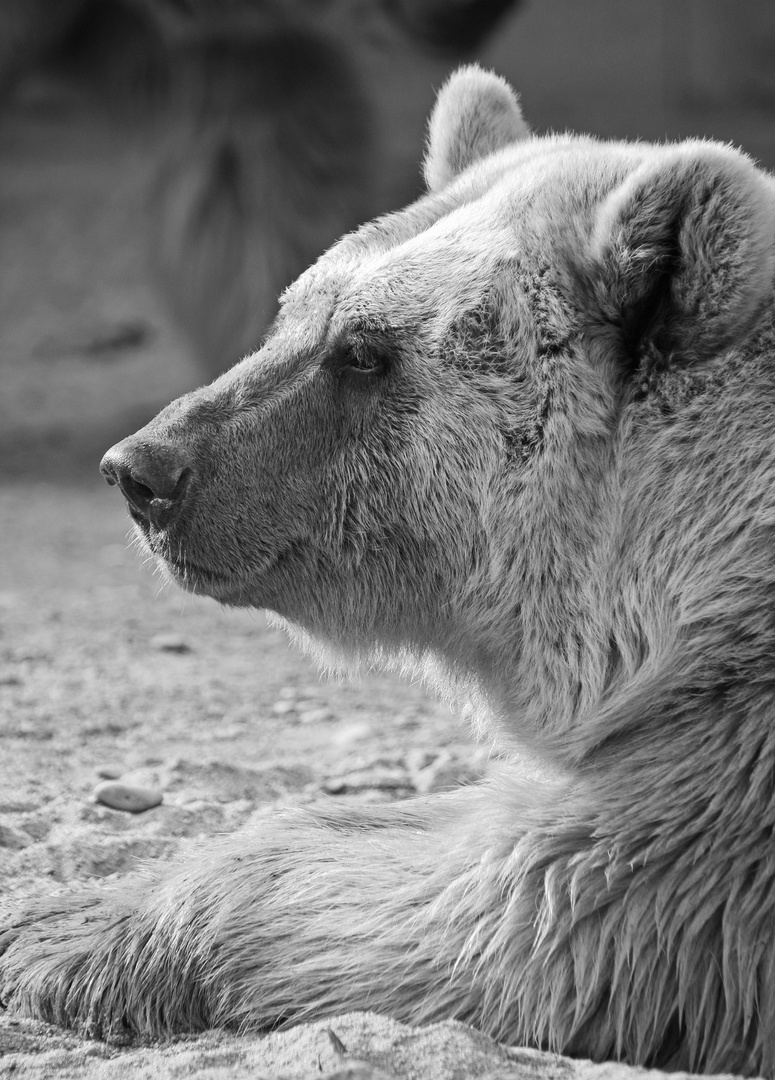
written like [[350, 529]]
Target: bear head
[[510, 432]]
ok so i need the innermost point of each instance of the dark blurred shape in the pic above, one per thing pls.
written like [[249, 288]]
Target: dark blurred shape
[[272, 126], [449, 24], [29, 31], [272, 162], [116, 49]]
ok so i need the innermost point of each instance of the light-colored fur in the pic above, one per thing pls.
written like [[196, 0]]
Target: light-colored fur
[[518, 436]]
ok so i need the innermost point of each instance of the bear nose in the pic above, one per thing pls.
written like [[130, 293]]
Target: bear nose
[[153, 478]]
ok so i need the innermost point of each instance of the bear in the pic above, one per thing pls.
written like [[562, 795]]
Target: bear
[[517, 438]]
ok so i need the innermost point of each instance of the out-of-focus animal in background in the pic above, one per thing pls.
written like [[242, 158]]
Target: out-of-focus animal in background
[[277, 126]]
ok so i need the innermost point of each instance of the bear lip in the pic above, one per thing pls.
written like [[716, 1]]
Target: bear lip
[[190, 576], [237, 590], [197, 579]]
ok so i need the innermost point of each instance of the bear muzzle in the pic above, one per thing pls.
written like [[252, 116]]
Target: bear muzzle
[[153, 478]]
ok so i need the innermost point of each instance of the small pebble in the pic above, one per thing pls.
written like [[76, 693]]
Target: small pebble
[[95, 1051], [130, 797], [24, 656], [352, 733], [170, 643], [282, 708], [377, 779], [310, 692], [316, 715], [227, 732], [445, 773], [110, 771]]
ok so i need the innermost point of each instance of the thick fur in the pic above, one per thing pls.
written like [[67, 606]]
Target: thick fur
[[518, 436], [477, 115]]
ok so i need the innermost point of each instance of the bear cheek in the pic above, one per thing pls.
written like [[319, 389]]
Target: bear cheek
[[271, 491]]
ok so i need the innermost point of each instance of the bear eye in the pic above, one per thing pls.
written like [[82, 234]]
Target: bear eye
[[364, 358], [364, 365]]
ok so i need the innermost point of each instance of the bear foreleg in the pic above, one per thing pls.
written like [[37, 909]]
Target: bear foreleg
[[313, 912]]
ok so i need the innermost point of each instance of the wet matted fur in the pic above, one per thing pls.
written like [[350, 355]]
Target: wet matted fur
[[517, 436]]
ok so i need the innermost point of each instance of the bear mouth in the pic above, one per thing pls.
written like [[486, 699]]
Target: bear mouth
[[186, 573], [235, 589], [192, 576]]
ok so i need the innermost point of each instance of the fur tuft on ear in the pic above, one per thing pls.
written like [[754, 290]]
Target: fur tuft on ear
[[683, 252], [475, 114]]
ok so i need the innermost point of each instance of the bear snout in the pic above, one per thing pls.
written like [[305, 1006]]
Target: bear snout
[[153, 478]]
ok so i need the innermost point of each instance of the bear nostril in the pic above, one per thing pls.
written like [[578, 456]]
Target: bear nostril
[[154, 479], [157, 508], [137, 493]]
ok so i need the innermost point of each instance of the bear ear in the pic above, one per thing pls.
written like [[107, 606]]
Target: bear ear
[[475, 114], [683, 252]]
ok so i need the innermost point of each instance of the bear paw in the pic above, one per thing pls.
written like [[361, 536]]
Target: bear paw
[[93, 960]]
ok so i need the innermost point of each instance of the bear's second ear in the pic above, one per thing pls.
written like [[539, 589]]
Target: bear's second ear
[[683, 252], [475, 114]]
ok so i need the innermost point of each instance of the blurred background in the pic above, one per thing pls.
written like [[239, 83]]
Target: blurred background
[[167, 166]]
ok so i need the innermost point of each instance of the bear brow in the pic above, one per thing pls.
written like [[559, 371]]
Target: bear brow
[[363, 332]]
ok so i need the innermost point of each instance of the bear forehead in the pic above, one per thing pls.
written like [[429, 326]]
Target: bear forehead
[[522, 203], [550, 172], [413, 272]]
